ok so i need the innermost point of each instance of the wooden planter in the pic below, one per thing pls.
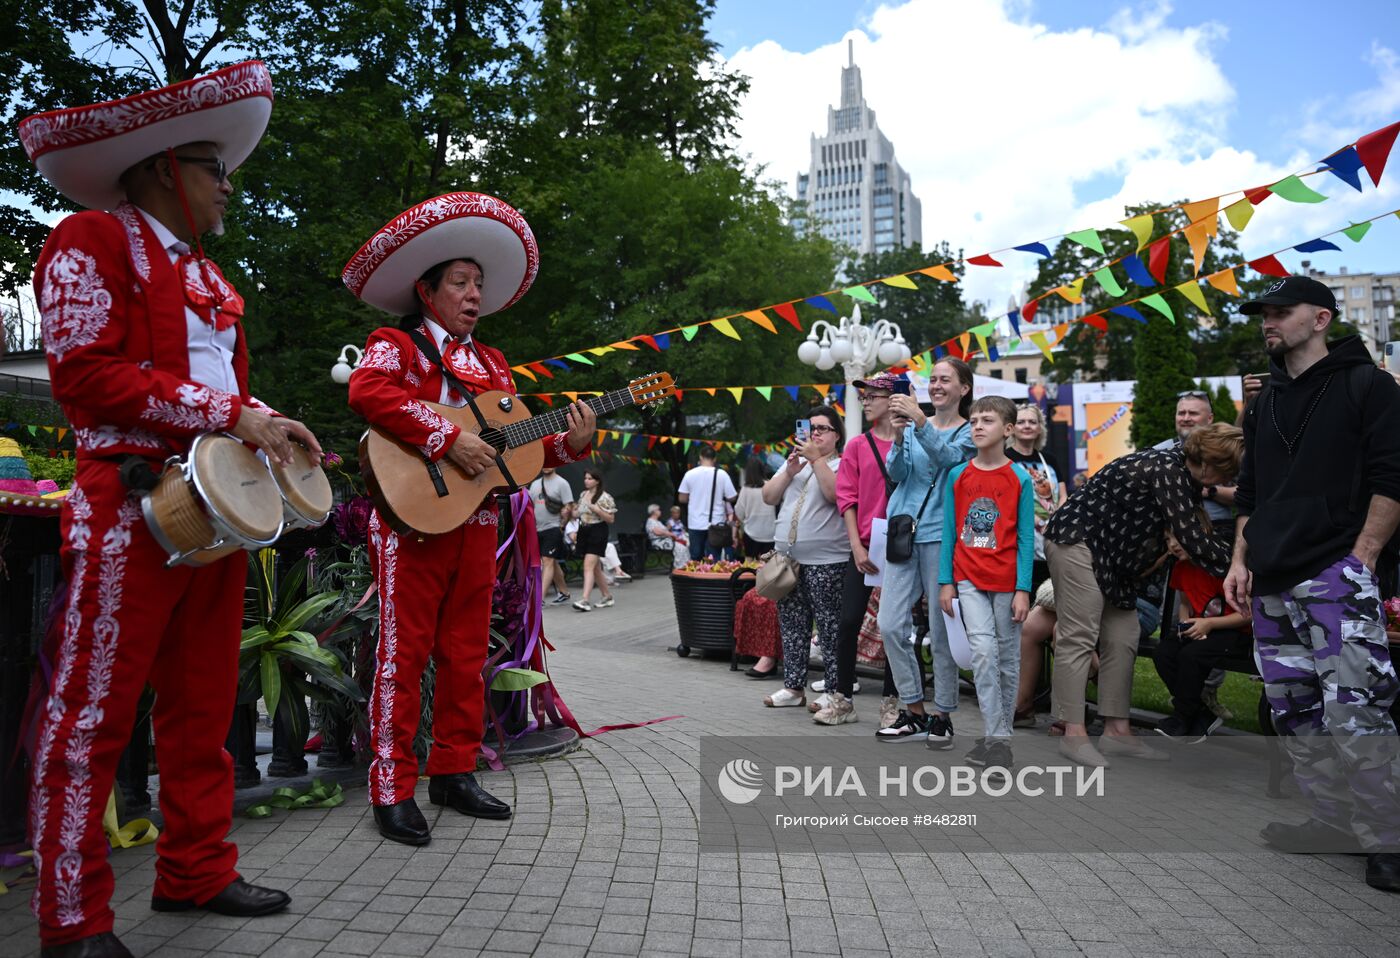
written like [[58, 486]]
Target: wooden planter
[[705, 609]]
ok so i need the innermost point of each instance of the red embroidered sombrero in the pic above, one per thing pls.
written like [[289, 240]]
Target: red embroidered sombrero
[[83, 151], [455, 225]]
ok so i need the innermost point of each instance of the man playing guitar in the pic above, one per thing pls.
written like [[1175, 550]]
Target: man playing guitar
[[441, 265]]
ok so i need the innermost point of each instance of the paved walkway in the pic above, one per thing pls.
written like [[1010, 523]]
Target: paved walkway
[[602, 857]]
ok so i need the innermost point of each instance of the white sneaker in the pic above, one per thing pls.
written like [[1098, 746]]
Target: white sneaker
[[583, 605], [820, 686], [819, 703], [785, 699], [838, 711], [605, 603]]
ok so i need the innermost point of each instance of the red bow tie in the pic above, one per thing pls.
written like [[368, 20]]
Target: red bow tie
[[212, 297]]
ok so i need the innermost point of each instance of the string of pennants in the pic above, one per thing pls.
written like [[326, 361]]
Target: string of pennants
[[1223, 279], [1371, 153], [793, 390], [57, 432]]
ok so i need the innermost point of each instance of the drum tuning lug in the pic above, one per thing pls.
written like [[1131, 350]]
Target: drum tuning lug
[[506, 404]]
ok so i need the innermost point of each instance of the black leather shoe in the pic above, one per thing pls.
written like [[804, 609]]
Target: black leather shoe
[[1310, 838], [104, 945], [402, 822], [462, 793], [754, 673], [239, 899], [1383, 871]]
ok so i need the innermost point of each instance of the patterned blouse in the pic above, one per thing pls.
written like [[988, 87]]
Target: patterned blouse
[[1121, 512], [586, 516]]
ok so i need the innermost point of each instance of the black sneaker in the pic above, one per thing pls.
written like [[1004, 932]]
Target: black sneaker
[[1312, 837], [940, 732], [560, 598], [907, 727], [999, 756], [977, 755], [1173, 726], [1202, 727]]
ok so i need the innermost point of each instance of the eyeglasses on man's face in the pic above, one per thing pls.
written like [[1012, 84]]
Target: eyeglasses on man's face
[[213, 164]]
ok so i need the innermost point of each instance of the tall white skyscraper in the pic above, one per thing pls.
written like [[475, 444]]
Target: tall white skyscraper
[[854, 188]]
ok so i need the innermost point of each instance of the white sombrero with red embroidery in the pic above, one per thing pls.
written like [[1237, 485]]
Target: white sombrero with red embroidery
[[83, 151], [452, 226]]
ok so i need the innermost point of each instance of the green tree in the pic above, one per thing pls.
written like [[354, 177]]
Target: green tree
[[1222, 405]]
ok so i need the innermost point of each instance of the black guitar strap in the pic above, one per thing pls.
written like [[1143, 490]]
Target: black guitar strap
[[430, 350]]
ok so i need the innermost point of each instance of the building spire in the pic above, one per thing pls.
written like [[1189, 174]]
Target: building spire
[[851, 52]]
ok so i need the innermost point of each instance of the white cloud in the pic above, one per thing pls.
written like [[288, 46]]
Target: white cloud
[[1012, 131]]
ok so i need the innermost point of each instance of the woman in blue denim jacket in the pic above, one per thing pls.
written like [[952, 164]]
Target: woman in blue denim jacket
[[924, 450]]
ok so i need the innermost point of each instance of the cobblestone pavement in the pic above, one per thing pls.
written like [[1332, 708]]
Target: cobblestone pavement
[[602, 857]]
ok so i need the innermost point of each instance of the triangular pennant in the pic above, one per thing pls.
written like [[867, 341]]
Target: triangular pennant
[[601, 350], [789, 313], [1061, 331], [1108, 281], [1295, 190], [1129, 312], [1073, 292], [1040, 249], [1015, 319], [765, 391], [1204, 212], [545, 398], [984, 260], [579, 358], [624, 344], [663, 340], [685, 450], [821, 389], [1198, 237], [1317, 246], [1268, 266], [542, 369], [1239, 213], [1195, 294], [1137, 273], [1257, 195], [791, 391], [1356, 231], [1141, 226], [525, 371], [1088, 239], [712, 390], [821, 302], [940, 272], [1374, 150], [573, 396], [1157, 255], [1039, 340], [1156, 301], [860, 293], [759, 317], [964, 340], [724, 326], [62, 431], [1225, 281], [689, 332], [1097, 321], [650, 341], [902, 281], [1028, 311], [982, 344], [1345, 165]]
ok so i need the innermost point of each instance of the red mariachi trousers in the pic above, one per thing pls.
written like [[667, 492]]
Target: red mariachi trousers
[[130, 621], [434, 599]]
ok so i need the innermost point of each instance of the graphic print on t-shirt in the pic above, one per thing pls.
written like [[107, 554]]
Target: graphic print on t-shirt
[[979, 527]]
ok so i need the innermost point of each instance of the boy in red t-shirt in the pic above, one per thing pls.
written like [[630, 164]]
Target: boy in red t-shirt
[[1208, 632], [988, 548]]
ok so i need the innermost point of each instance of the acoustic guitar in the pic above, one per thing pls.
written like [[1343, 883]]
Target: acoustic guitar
[[417, 495]]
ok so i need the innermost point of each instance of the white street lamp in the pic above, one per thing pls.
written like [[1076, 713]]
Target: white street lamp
[[859, 349], [344, 366]]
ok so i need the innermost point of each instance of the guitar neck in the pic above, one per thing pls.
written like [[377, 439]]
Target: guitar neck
[[547, 424]]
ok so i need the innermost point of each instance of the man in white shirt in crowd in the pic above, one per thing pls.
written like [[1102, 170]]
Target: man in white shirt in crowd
[[550, 492], [708, 493]]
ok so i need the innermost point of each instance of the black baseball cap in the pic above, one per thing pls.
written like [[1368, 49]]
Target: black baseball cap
[[1293, 290]]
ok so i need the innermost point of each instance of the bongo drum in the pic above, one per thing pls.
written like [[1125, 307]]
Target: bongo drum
[[306, 492], [216, 500]]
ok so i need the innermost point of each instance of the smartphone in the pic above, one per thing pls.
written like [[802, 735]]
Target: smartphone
[[803, 432], [1392, 355], [900, 387]]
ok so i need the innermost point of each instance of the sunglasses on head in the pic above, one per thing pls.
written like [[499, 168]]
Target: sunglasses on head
[[1193, 394]]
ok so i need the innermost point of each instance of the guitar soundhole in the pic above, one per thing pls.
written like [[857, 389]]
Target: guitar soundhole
[[495, 437]]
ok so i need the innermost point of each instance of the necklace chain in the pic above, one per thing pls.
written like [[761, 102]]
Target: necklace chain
[[1273, 414]]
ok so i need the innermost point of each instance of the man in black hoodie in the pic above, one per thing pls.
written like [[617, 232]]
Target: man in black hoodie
[[1318, 501]]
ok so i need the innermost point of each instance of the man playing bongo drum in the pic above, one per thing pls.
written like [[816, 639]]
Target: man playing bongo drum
[[441, 266], [145, 352]]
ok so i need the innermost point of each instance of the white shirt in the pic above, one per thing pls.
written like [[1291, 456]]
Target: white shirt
[[211, 351], [696, 484], [442, 338]]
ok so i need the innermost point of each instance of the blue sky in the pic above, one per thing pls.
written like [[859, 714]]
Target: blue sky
[[1164, 100]]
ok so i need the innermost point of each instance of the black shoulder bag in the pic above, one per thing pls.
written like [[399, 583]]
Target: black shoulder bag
[[719, 535]]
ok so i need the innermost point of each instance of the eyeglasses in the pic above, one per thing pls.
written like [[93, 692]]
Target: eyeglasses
[[1193, 394], [212, 163], [818, 429], [871, 397]]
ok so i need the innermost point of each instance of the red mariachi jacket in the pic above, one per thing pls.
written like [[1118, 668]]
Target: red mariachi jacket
[[113, 315], [394, 378]]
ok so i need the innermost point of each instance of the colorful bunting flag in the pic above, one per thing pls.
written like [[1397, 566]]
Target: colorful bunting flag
[[1157, 255], [1039, 249], [1295, 190], [1195, 294], [1225, 281], [902, 281], [1028, 311], [689, 332], [821, 302], [1039, 340], [1156, 301], [1129, 312], [1198, 237], [984, 260], [579, 358], [1374, 150], [940, 272], [1345, 165], [1239, 214], [1108, 282], [737, 392], [1317, 246], [1356, 231], [1142, 227], [1137, 273], [1268, 266], [758, 316], [1088, 239], [860, 293], [789, 312]]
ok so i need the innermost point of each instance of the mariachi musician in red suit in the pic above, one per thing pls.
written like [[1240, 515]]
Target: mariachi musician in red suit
[[145, 352], [441, 266]]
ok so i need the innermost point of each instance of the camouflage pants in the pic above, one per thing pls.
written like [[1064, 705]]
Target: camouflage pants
[[1322, 652]]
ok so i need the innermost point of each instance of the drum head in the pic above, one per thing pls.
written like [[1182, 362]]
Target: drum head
[[237, 487], [304, 485]]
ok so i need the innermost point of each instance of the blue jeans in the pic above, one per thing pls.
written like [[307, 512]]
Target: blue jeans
[[700, 546], [904, 582], [996, 655]]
